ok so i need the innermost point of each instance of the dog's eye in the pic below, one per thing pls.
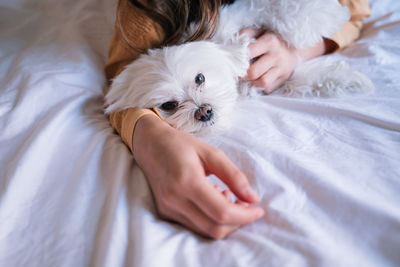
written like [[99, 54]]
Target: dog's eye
[[200, 79], [170, 105]]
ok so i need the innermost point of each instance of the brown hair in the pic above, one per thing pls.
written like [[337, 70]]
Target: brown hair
[[175, 16]]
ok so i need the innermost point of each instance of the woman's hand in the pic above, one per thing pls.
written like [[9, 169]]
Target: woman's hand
[[274, 61], [176, 165]]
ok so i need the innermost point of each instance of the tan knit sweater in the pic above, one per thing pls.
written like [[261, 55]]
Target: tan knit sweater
[[134, 33]]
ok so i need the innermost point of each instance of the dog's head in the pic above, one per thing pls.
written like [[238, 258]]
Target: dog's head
[[193, 86]]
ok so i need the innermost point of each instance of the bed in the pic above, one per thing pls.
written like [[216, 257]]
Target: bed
[[327, 170]]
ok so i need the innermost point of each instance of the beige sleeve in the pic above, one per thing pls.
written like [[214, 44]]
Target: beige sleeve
[[133, 33], [124, 123], [359, 10]]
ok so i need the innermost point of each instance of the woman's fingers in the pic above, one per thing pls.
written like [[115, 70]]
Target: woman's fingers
[[193, 217], [190, 215], [239, 202], [219, 209], [273, 61], [265, 42], [274, 85], [218, 163], [208, 211], [227, 194], [268, 80], [260, 67]]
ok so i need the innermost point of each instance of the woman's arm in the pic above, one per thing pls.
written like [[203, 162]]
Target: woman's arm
[[175, 163], [359, 10], [275, 60]]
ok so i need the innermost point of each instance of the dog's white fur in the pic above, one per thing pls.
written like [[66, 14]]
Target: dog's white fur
[[168, 74]]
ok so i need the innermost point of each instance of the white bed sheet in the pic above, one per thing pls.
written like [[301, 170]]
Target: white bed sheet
[[328, 170]]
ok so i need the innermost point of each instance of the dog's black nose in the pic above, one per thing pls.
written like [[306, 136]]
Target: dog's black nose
[[204, 113]]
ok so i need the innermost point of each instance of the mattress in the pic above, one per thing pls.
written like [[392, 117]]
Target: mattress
[[327, 170]]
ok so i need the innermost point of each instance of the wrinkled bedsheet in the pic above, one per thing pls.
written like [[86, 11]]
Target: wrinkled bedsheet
[[327, 170]]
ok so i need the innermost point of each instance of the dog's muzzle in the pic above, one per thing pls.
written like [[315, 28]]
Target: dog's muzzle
[[204, 113]]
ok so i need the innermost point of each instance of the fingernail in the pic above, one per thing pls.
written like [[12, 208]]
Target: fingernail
[[249, 192]]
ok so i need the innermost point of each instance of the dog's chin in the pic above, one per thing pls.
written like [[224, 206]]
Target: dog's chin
[[214, 126], [195, 127], [202, 128]]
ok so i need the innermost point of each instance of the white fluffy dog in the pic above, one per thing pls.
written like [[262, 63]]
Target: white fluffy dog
[[196, 85]]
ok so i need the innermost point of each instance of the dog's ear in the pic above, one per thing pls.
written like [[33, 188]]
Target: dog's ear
[[117, 95], [131, 87], [238, 57]]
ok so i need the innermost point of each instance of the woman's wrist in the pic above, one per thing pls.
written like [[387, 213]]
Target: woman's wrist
[[146, 125], [326, 46]]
